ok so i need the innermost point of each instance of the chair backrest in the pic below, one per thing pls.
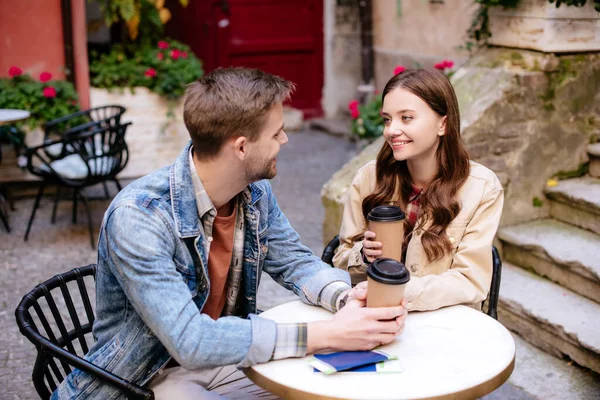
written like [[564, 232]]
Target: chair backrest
[[60, 331], [62, 307], [492, 307], [109, 115], [86, 158]]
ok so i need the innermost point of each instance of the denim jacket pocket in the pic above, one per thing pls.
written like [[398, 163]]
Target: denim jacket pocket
[[189, 277]]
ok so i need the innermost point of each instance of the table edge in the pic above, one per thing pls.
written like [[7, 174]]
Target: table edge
[[473, 392]]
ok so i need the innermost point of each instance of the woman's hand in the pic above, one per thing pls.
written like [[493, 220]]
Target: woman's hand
[[371, 249]]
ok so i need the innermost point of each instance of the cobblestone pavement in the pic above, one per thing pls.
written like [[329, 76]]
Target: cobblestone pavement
[[304, 165]]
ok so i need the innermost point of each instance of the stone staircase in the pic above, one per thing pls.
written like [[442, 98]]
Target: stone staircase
[[550, 292]]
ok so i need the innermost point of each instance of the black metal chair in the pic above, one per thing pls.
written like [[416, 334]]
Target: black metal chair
[[492, 308], [78, 122], [98, 116], [89, 157], [63, 342]]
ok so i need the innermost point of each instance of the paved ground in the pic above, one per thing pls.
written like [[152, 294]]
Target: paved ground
[[305, 164]]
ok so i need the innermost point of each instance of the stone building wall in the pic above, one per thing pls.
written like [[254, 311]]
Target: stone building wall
[[423, 32]]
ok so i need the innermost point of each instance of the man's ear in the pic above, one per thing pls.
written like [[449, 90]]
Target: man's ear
[[240, 147], [442, 130]]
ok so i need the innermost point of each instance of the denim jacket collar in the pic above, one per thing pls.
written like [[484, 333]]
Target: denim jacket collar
[[183, 201]]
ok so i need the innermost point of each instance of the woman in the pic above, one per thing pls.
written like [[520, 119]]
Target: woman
[[452, 205]]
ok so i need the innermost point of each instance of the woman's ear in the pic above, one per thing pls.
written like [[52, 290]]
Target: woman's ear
[[442, 129]]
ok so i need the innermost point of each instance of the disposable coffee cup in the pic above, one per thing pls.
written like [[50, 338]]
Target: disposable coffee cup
[[386, 282], [388, 224]]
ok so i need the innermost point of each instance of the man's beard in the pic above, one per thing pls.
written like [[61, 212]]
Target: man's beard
[[267, 170]]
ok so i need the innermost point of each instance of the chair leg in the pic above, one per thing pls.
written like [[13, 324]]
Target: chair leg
[[86, 203], [56, 197], [4, 216], [118, 184], [105, 190], [75, 198], [35, 207]]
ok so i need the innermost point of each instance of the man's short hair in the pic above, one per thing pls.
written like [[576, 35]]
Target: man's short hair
[[230, 102]]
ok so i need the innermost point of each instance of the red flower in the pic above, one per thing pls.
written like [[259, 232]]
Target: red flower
[[14, 71], [175, 54], [49, 92], [150, 73], [163, 45], [160, 56], [440, 66], [353, 105], [45, 76], [448, 63], [399, 69], [355, 113], [184, 54]]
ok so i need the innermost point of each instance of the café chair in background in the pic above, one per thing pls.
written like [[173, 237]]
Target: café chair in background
[[84, 159]]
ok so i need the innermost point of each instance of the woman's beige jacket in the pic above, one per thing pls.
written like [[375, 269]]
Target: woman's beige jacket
[[462, 277]]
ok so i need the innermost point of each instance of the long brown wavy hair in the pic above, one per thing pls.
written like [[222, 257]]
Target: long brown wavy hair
[[439, 202]]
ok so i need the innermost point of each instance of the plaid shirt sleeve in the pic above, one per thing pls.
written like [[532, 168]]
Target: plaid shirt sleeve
[[291, 338], [290, 341]]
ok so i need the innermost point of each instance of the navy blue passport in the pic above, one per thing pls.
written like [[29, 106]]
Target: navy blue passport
[[348, 360]]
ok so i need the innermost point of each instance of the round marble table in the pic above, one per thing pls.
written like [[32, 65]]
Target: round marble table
[[456, 352], [10, 115]]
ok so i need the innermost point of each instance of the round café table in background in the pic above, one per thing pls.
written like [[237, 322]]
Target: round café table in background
[[10, 116], [452, 353]]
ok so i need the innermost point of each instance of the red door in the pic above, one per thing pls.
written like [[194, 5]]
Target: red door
[[283, 37]]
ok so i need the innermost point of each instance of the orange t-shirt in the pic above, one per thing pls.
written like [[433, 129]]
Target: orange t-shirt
[[219, 259]]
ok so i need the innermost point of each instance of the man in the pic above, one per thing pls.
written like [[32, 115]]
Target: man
[[181, 251]]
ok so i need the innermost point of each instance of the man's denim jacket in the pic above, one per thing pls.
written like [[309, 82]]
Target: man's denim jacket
[[152, 281]]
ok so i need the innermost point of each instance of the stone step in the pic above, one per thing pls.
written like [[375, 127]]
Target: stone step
[[545, 377], [577, 202], [561, 252], [550, 317], [594, 153]]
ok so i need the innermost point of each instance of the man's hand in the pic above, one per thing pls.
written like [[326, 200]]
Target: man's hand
[[354, 328], [357, 296]]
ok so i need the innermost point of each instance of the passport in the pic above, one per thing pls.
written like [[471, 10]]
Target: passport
[[350, 361]]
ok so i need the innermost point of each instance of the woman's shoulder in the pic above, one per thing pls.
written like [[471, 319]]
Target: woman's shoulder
[[366, 172], [482, 175]]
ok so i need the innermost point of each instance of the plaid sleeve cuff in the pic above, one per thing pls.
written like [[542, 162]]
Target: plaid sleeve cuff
[[290, 341], [330, 294]]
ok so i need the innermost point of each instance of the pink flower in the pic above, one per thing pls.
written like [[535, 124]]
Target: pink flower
[[440, 66], [14, 71], [448, 63], [353, 105], [399, 69], [163, 45], [49, 92], [150, 73], [175, 54], [45, 76], [160, 56], [355, 113], [184, 54]]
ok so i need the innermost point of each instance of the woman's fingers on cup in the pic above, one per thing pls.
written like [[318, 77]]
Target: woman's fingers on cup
[[369, 235]]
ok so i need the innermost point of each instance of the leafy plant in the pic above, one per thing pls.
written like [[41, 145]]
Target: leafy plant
[[165, 68], [45, 99], [144, 19]]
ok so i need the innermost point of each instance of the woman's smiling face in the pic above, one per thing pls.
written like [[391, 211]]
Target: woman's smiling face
[[412, 129]]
